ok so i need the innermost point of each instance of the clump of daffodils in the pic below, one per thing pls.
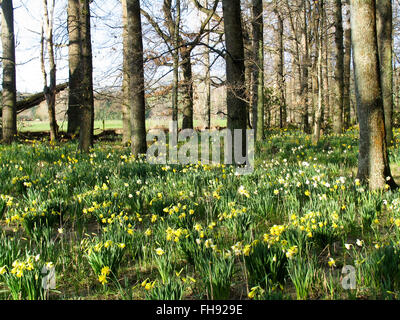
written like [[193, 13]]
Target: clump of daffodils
[[105, 271]]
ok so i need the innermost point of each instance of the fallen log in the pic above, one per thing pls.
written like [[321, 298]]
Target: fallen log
[[35, 99]]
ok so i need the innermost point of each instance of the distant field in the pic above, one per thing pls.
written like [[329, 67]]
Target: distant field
[[39, 126]]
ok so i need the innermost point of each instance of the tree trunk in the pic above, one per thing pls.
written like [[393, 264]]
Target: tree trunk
[[373, 165], [75, 68], [208, 80], [9, 112], [187, 122], [258, 69], [235, 69], [339, 70], [175, 56], [304, 79], [347, 68], [248, 67], [279, 65], [87, 115], [327, 96], [136, 78], [126, 123], [50, 91], [320, 110], [384, 33]]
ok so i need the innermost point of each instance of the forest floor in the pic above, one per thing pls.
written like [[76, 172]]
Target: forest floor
[[106, 225]]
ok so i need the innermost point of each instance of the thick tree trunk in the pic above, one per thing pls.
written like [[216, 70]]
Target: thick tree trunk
[[384, 30], [75, 68], [87, 115], [136, 78], [347, 68], [258, 69], [187, 122], [373, 166], [339, 70], [235, 69], [126, 122], [9, 112]]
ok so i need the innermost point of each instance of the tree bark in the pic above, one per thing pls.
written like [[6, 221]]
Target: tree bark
[[9, 112], [373, 165], [339, 70], [279, 65], [327, 95], [75, 67], [50, 91], [187, 96], [126, 122], [384, 33], [320, 110], [235, 69], [208, 78], [305, 73], [347, 68], [87, 115], [258, 69], [175, 55], [136, 78]]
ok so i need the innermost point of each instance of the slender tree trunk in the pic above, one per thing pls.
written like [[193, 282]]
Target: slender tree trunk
[[9, 81], [339, 70], [373, 165], [208, 80], [320, 110], [235, 69], [327, 96], [50, 91], [347, 68], [175, 54], [250, 94], [136, 78], [258, 69], [280, 69], [305, 73], [126, 122], [187, 122], [87, 115], [385, 26], [75, 68]]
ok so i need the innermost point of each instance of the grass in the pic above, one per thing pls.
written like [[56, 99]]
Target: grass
[[41, 126], [115, 227]]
